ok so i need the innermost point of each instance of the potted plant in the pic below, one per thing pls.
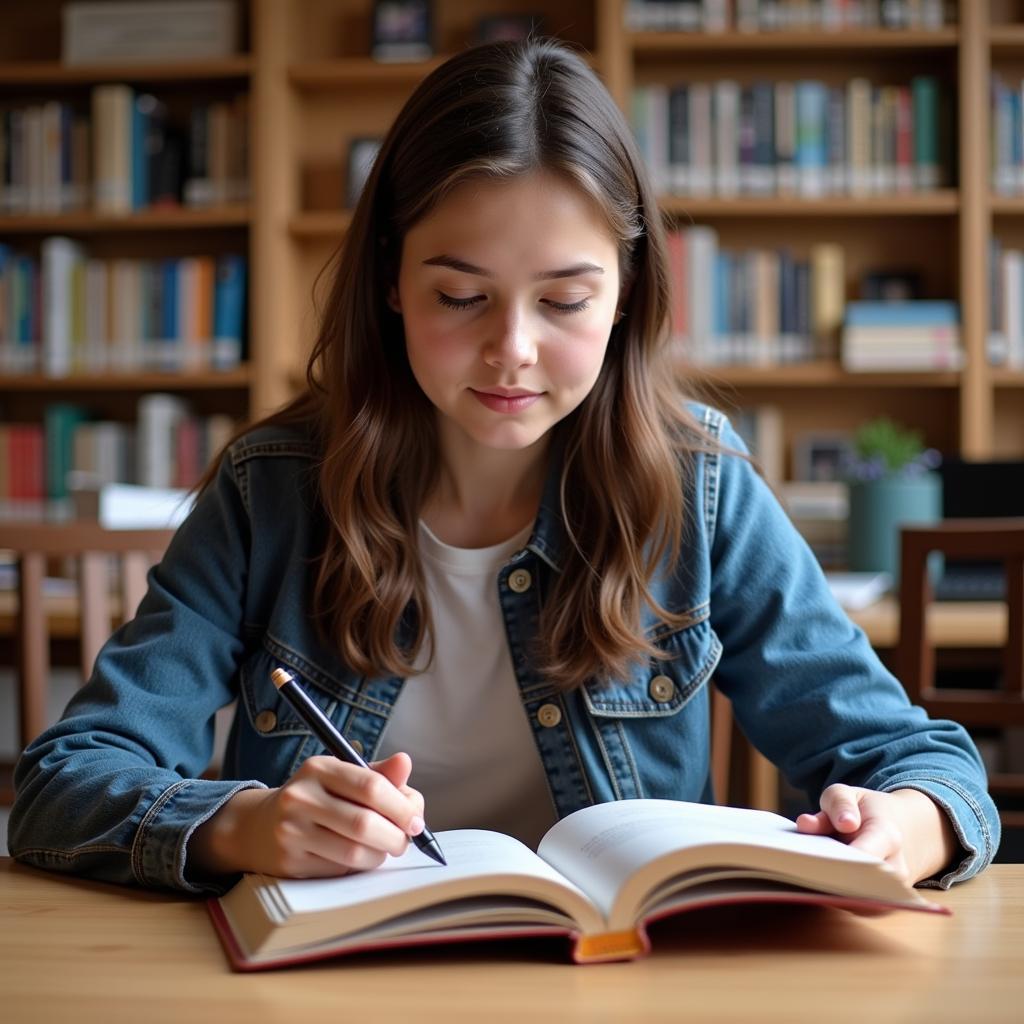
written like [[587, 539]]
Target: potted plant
[[892, 483]]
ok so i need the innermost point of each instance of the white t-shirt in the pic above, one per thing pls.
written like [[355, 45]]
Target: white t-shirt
[[462, 721]]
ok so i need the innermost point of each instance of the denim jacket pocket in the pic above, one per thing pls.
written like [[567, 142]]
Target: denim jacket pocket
[[272, 737], [663, 686]]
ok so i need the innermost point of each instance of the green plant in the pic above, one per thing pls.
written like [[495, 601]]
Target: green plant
[[882, 448]]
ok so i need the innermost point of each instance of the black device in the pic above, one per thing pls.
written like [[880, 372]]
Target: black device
[[978, 490]]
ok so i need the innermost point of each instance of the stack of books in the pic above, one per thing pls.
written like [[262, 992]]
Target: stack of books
[[807, 138], [915, 335]]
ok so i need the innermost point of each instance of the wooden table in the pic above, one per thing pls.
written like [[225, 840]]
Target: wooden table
[[72, 950]]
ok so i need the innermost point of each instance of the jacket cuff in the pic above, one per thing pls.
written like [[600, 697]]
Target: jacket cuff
[[159, 850], [975, 830]]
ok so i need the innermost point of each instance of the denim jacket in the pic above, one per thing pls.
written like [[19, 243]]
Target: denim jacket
[[113, 789]]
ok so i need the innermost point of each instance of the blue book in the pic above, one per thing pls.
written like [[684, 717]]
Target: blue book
[[918, 313], [137, 141], [811, 155], [169, 314], [228, 311]]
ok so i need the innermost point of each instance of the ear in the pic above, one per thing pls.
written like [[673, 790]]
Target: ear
[[393, 300]]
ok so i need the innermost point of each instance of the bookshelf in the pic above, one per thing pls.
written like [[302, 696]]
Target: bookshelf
[[32, 75], [312, 87]]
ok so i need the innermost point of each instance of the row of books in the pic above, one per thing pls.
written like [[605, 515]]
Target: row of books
[[901, 336], [167, 447], [126, 154], [1007, 131], [784, 15], [755, 306], [1006, 306], [71, 312], [804, 138]]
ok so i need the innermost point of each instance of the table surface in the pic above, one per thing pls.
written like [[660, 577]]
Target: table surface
[[77, 950]]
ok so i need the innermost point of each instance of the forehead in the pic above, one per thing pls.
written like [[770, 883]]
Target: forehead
[[535, 213]]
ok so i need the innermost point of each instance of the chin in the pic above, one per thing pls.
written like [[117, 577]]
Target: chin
[[509, 437]]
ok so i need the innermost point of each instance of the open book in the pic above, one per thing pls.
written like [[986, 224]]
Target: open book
[[599, 876]]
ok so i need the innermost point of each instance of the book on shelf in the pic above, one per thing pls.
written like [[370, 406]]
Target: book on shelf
[[168, 447], [774, 15], [158, 30], [910, 336], [1005, 342], [754, 306], [804, 139], [599, 877], [99, 315], [125, 155]]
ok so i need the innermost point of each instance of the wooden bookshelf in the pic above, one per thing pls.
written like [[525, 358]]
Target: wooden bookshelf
[[86, 222], [312, 87], [51, 73], [239, 378]]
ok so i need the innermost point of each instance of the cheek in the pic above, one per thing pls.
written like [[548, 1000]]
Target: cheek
[[580, 359], [432, 349]]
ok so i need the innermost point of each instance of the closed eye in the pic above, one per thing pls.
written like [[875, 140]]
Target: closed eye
[[561, 307]]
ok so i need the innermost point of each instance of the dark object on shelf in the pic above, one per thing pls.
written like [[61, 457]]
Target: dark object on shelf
[[492, 28], [891, 285], [978, 490], [401, 30]]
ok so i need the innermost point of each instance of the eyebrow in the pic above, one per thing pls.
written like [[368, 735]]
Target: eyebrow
[[545, 275]]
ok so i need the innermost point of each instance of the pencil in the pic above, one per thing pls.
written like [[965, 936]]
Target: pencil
[[324, 730]]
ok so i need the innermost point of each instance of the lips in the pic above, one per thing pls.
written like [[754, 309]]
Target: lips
[[515, 401]]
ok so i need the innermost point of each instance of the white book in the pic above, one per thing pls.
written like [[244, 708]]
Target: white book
[[598, 877], [158, 418], [58, 257], [726, 129]]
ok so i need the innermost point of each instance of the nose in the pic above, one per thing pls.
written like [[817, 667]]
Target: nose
[[511, 342]]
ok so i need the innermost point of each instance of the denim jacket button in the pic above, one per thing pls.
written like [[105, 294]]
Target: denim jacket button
[[519, 580], [549, 716], [662, 688], [265, 721], [356, 746]]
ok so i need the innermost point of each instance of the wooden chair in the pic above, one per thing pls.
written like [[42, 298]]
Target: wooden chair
[[94, 613], [976, 540]]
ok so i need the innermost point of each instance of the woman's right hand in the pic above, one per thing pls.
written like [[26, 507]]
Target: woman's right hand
[[330, 818]]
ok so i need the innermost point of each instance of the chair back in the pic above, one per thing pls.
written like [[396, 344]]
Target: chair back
[[975, 540], [96, 608]]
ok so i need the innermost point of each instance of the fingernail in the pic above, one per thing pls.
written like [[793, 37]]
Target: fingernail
[[846, 818], [416, 826]]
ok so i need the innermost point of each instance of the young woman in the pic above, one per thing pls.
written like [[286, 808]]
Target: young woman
[[495, 544]]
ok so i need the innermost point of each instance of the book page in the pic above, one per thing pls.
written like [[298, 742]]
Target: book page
[[480, 863], [617, 852]]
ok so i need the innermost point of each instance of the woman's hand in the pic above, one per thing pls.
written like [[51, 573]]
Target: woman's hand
[[330, 818], [905, 828]]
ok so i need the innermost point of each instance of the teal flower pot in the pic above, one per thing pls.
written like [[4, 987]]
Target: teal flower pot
[[878, 508]]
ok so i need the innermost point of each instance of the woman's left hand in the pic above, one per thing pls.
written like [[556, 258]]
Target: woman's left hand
[[905, 828]]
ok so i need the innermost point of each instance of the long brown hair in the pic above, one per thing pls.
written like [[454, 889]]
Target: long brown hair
[[497, 111]]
